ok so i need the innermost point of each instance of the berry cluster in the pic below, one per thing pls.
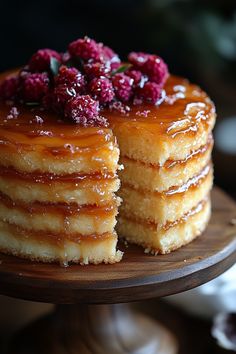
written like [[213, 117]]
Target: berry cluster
[[89, 77]]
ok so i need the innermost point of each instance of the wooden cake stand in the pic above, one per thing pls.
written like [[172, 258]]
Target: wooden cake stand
[[84, 322]]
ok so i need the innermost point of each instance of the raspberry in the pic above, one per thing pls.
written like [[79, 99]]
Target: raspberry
[[35, 86], [40, 61], [123, 86], [82, 106], [156, 69], [70, 77], [85, 48], [60, 96], [151, 92], [102, 89], [110, 56], [9, 88], [96, 69], [84, 111], [151, 65], [137, 59], [138, 77]]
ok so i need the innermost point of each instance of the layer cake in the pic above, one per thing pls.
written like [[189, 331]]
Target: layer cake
[[59, 185]]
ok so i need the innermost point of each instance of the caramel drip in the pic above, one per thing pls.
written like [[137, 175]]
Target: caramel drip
[[192, 183], [58, 239], [48, 178], [60, 208], [168, 224], [171, 163]]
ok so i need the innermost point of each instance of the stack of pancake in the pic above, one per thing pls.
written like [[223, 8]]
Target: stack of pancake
[[167, 175], [58, 180], [57, 185]]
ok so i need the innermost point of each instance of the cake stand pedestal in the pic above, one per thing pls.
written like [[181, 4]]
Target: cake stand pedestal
[[89, 318]]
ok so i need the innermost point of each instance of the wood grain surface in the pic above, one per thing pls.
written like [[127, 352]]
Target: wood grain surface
[[138, 276]]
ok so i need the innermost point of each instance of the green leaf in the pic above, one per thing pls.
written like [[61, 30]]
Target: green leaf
[[121, 69], [32, 104], [54, 65]]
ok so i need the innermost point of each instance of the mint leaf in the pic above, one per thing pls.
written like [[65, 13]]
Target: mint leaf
[[121, 69], [54, 65]]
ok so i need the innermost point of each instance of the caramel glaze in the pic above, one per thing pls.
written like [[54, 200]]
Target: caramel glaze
[[192, 184], [195, 155], [57, 239], [61, 208], [184, 106], [48, 178], [197, 209]]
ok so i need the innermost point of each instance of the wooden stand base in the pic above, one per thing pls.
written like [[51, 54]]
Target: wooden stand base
[[94, 329]]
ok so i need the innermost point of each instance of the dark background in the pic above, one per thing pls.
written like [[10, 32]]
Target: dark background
[[196, 38]]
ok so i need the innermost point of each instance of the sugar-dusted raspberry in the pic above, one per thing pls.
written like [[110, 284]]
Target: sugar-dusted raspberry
[[156, 69], [102, 89], [60, 96], [9, 88], [137, 59], [40, 61], [96, 69], [123, 87], [137, 76], [71, 77], [109, 56], [150, 92], [84, 111], [82, 106], [35, 86], [85, 48], [151, 65]]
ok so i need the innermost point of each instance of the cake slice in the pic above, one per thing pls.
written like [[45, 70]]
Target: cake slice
[[67, 122], [167, 174], [57, 189]]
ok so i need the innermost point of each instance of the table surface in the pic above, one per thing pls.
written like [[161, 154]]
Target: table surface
[[138, 276]]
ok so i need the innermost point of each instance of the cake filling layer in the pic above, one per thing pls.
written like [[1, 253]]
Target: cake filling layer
[[98, 192], [165, 240], [173, 173], [90, 250], [54, 238], [50, 178], [58, 217], [169, 205]]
